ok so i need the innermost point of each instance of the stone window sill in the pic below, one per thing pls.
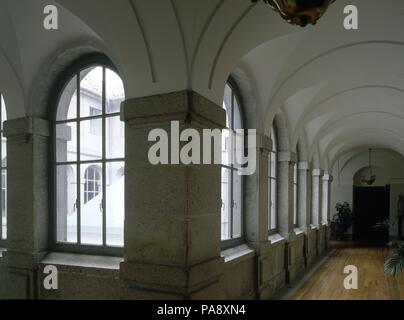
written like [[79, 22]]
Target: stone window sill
[[82, 261], [298, 231], [276, 239], [239, 253]]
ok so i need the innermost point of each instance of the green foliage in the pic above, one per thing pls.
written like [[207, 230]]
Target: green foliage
[[342, 220], [394, 264]]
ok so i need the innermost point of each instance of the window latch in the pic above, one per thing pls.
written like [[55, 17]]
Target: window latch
[[101, 207], [75, 206]]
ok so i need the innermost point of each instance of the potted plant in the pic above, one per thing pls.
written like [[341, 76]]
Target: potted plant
[[394, 264], [341, 221]]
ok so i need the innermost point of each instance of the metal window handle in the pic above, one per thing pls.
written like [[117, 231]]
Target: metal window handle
[[101, 207], [223, 205], [75, 206], [234, 204]]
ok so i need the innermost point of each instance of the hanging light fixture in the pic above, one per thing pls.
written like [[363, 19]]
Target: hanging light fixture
[[300, 12], [372, 178]]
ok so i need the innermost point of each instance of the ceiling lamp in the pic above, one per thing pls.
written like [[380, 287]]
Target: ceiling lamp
[[372, 178], [300, 12]]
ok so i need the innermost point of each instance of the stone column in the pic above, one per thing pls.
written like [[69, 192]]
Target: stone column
[[257, 223], [316, 206], [286, 161], [294, 257], [172, 212], [325, 199], [326, 212], [27, 166], [317, 176], [303, 207], [257, 219]]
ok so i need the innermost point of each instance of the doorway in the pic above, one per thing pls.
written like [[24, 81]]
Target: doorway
[[371, 206]]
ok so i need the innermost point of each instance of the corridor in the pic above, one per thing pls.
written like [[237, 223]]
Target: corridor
[[373, 284]]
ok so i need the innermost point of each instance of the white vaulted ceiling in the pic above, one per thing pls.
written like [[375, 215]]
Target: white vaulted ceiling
[[339, 91]]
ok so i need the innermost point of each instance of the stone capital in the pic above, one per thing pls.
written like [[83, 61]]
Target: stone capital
[[26, 126], [264, 142], [328, 177], [317, 173], [183, 106], [303, 165], [287, 157]]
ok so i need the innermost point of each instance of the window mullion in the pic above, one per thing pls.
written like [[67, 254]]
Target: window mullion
[[232, 169], [78, 168], [104, 169]]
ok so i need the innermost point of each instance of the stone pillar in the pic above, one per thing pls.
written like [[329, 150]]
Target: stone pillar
[[257, 223], [294, 258], [317, 176], [326, 212], [27, 166], [316, 206], [172, 216], [257, 219], [286, 161], [303, 207], [325, 199]]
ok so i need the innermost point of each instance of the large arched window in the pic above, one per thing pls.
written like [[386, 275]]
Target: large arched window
[[89, 152], [3, 157], [232, 182], [272, 184]]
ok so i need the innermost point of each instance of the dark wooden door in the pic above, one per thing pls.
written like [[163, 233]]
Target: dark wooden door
[[371, 205]]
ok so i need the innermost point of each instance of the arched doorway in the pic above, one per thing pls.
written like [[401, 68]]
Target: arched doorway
[[371, 205]]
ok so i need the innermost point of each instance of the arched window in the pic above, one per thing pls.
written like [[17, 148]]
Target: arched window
[[3, 157], [295, 189], [272, 184], [232, 182], [89, 148]]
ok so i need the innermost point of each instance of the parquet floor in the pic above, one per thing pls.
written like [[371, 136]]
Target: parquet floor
[[374, 284]]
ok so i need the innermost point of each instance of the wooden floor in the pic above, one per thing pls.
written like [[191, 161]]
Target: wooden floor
[[327, 282]]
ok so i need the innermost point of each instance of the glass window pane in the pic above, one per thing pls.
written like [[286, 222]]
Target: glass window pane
[[238, 121], [4, 204], [273, 165], [237, 205], [66, 190], [115, 203], [91, 205], [274, 222], [91, 92], [295, 204], [274, 141], [227, 105], [115, 92], [3, 111], [226, 204], [91, 139], [226, 148], [67, 108], [66, 142], [3, 151], [115, 137]]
